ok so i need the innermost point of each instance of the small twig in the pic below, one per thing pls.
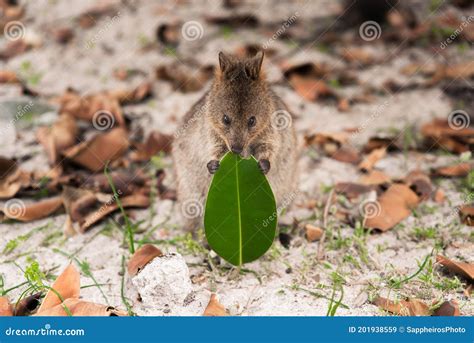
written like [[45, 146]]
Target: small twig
[[325, 225]]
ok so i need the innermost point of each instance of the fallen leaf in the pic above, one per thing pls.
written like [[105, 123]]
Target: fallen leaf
[[461, 268], [390, 143], [370, 160], [155, 143], [234, 20], [12, 178], [313, 233], [27, 305], [457, 170], [7, 76], [311, 89], [91, 16], [352, 190], [135, 95], [142, 257], [392, 207], [214, 308], [375, 177], [97, 152], [62, 35], [67, 285], [420, 183], [439, 196], [346, 154], [25, 213], [453, 135], [466, 213], [81, 308], [410, 307], [6, 309], [183, 77], [60, 136], [448, 308], [360, 56]]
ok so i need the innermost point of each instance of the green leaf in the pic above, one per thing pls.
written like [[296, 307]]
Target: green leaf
[[240, 218]]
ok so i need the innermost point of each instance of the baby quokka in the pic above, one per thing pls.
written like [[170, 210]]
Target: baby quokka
[[240, 113]]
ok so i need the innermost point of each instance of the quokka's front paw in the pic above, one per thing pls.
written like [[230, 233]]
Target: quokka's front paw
[[264, 166], [212, 166]]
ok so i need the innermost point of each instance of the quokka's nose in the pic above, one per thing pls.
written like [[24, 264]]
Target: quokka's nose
[[236, 149]]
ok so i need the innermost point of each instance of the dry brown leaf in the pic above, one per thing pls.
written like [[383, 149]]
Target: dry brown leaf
[[393, 206], [466, 213], [26, 213], [410, 307], [7, 76], [101, 109], [27, 305], [352, 190], [448, 308], [439, 196], [370, 160], [81, 308], [420, 183], [313, 233], [359, 55], [6, 309], [139, 93], [155, 143], [12, 178], [142, 257], [214, 308], [60, 136], [461, 268], [455, 137], [311, 89], [95, 153], [67, 285], [457, 170], [375, 177], [391, 143], [346, 154]]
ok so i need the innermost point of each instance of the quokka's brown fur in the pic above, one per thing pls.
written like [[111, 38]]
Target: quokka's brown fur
[[239, 113]]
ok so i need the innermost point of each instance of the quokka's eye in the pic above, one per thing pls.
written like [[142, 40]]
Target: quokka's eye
[[252, 121], [226, 120]]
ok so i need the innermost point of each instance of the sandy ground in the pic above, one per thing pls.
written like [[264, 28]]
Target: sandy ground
[[281, 282]]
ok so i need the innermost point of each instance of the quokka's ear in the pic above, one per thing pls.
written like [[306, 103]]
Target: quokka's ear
[[254, 65], [225, 61]]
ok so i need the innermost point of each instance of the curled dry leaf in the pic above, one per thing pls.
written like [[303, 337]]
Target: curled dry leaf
[[102, 109], [155, 143], [457, 170], [215, 308], [27, 305], [60, 136], [393, 206], [371, 159], [6, 309], [35, 211], [85, 208], [126, 182], [420, 183], [131, 96], [313, 233], [81, 308], [466, 213], [142, 257], [461, 268], [441, 133], [410, 307], [448, 308], [12, 178], [67, 285], [95, 153], [390, 143], [439, 196]]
